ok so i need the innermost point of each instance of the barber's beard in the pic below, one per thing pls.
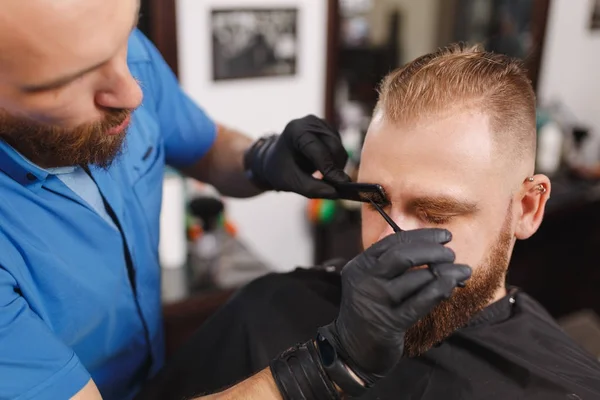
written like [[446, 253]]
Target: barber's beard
[[50, 146], [455, 313]]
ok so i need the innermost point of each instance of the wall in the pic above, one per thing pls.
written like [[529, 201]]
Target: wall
[[273, 224], [419, 25], [570, 69]]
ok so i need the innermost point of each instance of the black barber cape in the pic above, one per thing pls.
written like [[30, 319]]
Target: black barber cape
[[511, 350]]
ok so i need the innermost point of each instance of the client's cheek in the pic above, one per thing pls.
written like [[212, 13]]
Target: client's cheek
[[465, 250]]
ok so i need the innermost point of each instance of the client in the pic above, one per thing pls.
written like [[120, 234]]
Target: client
[[453, 142]]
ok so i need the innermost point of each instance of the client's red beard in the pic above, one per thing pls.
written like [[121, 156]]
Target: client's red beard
[[51, 146], [456, 312]]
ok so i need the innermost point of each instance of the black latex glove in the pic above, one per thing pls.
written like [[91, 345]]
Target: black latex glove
[[381, 299], [286, 162]]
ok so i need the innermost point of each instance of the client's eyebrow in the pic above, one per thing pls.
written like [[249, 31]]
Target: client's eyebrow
[[443, 204]]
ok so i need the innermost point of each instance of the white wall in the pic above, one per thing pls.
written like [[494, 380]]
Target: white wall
[[570, 69], [274, 224]]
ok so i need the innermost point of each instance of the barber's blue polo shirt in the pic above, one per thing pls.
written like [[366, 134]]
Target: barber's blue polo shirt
[[71, 308]]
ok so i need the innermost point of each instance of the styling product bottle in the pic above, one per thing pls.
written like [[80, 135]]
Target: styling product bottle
[[550, 148], [173, 241]]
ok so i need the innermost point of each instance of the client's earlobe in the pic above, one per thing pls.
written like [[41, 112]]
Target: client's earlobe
[[536, 192]]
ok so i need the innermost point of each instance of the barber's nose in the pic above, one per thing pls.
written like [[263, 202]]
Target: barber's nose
[[121, 92]]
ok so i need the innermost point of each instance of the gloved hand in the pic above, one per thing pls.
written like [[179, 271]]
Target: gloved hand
[[381, 298], [286, 162]]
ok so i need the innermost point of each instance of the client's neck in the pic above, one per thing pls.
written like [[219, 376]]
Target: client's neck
[[500, 293]]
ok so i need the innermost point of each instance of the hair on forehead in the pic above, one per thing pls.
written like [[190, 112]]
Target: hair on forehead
[[460, 77]]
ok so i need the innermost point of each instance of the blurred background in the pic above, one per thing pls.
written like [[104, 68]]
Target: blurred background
[[256, 64]]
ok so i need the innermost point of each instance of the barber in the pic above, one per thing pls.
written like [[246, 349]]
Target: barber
[[80, 177]]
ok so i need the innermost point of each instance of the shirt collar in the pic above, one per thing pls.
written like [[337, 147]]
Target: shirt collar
[[61, 170], [498, 311], [19, 168]]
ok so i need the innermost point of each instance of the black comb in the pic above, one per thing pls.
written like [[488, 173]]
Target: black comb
[[367, 193], [363, 192]]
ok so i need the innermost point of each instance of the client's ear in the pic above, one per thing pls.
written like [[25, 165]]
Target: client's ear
[[535, 194]]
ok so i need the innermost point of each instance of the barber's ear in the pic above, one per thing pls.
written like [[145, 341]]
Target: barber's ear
[[535, 194]]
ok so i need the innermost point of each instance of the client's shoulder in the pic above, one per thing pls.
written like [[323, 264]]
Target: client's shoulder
[[303, 287], [527, 305], [319, 278]]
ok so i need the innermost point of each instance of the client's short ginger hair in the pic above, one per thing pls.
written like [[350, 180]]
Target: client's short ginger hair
[[460, 77]]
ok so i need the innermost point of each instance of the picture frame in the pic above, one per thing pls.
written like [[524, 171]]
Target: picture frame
[[595, 16], [254, 43]]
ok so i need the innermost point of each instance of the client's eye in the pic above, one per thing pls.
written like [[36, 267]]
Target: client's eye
[[434, 219]]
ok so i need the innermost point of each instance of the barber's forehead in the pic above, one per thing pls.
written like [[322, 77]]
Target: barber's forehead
[[36, 35]]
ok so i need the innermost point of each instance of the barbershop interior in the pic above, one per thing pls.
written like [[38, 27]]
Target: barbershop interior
[[328, 58], [256, 65]]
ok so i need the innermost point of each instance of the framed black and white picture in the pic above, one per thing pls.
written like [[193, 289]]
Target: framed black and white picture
[[253, 43], [595, 17]]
